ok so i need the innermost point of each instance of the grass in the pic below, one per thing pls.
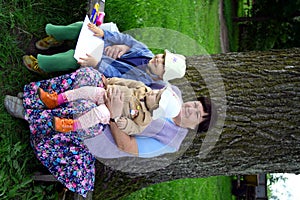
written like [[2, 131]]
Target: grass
[[196, 19], [22, 20], [214, 188]]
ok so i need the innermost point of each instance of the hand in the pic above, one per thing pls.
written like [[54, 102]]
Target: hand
[[116, 51], [89, 61], [122, 123], [114, 101], [97, 31], [104, 81]]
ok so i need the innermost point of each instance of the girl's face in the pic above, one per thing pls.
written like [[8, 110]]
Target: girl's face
[[151, 99], [157, 65]]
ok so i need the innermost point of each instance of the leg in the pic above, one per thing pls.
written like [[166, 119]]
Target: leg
[[52, 100], [61, 32], [58, 62], [68, 160], [99, 114], [79, 78], [95, 94], [95, 116], [57, 34]]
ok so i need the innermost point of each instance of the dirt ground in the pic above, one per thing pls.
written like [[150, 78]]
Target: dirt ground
[[224, 31]]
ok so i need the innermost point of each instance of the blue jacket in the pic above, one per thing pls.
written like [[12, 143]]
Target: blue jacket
[[115, 68]]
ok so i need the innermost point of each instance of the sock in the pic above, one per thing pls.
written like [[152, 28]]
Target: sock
[[76, 125], [61, 99]]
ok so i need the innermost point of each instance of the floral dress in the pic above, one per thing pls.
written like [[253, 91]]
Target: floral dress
[[64, 154]]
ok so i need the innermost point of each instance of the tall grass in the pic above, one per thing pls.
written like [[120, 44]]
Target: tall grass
[[22, 20]]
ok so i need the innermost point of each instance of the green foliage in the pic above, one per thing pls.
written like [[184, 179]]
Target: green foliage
[[274, 24], [216, 188]]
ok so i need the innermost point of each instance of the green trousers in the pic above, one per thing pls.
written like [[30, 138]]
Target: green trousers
[[61, 61]]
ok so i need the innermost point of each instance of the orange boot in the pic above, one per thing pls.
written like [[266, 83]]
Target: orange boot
[[63, 125], [49, 99]]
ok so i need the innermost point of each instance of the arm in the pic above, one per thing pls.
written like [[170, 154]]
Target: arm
[[111, 38], [125, 82], [114, 104], [129, 126]]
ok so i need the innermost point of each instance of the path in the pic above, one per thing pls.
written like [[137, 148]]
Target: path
[[223, 29]]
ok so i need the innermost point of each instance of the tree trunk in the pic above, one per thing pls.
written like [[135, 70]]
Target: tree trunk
[[260, 134]]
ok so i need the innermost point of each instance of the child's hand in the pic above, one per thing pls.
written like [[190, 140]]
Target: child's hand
[[88, 61], [97, 31], [104, 81], [114, 101], [116, 51]]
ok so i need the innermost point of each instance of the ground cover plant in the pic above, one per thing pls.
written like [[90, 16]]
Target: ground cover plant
[[23, 20], [214, 188]]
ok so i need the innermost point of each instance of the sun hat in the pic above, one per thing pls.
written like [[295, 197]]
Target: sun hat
[[174, 66], [169, 104]]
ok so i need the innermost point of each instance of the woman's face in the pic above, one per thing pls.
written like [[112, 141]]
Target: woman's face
[[191, 115], [157, 65]]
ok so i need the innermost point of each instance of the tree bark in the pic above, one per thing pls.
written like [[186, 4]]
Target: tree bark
[[260, 133]]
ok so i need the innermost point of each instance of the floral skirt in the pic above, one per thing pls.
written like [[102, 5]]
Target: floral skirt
[[64, 154]]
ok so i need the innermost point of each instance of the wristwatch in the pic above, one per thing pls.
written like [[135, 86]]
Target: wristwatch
[[114, 119]]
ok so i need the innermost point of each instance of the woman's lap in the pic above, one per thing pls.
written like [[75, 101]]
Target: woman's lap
[[64, 154]]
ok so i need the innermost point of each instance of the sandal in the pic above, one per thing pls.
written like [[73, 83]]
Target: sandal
[[47, 43], [31, 64]]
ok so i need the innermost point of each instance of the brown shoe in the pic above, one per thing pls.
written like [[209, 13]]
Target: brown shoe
[[49, 99], [47, 43], [63, 125]]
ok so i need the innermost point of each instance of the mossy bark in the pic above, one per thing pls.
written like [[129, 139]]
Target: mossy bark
[[261, 130]]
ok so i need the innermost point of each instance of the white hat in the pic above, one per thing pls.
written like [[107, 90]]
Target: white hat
[[174, 66], [169, 105]]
